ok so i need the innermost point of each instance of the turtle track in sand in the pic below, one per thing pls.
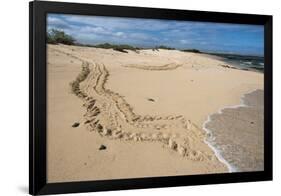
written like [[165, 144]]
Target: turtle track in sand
[[111, 116]]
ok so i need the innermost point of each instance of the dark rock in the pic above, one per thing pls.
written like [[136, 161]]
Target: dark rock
[[102, 147], [149, 99], [76, 124]]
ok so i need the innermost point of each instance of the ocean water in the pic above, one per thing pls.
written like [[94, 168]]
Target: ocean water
[[236, 134], [244, 62]]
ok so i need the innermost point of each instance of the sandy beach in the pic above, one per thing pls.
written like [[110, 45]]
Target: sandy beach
[[237, 133], [113, 115]]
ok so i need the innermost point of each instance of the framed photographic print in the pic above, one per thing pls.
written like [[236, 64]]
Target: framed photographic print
[[130, 97]]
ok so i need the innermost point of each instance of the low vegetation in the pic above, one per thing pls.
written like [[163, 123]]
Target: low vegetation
[[192, 50], [164, 47], [120, 48], [55, 36]]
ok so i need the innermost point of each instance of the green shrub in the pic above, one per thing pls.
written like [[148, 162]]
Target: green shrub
[[55, 36], [164, 47], [105, 46], [120, 48], [192, 50]]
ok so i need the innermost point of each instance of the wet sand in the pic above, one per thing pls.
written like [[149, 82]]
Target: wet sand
[[237, 133]]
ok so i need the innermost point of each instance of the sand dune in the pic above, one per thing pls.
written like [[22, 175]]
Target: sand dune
[[152, 102]]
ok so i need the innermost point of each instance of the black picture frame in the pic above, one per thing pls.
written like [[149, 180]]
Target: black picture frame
[[37, 97]]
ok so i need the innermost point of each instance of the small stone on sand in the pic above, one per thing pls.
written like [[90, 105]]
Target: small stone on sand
[[75, 124], [102, 147]]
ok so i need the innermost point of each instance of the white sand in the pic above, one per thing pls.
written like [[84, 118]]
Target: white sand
[[150, 101]]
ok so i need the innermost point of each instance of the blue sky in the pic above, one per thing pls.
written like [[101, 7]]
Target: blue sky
[[205, 36]]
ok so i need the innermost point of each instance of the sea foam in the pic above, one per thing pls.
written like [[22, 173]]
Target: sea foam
[[210, 139]]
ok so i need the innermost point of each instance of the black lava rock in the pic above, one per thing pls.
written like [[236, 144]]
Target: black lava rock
[[102, 147], [75, 124]]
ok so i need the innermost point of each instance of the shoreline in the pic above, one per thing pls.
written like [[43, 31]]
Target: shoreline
[[232, 65], [209, 133]]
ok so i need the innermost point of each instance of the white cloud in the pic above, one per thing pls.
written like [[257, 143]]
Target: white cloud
[[57, 22], [120, 34], [184, 41], [96, 30]]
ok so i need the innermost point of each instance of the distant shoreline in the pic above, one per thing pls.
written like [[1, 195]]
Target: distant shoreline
[[242, 62]]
